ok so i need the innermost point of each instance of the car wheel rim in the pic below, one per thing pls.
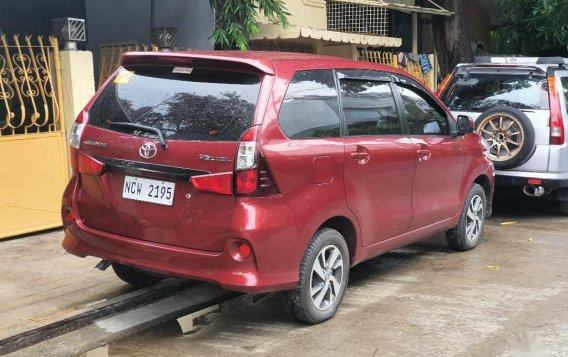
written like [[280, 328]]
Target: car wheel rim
[[326, 277], [504, 134], [474, 219]]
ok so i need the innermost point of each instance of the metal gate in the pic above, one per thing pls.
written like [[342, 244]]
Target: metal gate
[[33, 149], [110, 54]]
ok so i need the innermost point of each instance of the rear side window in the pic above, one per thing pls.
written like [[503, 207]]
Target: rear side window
[[369, 108], [310, 108], [482, 91], [422, 117], [564, 81], [184, 103]]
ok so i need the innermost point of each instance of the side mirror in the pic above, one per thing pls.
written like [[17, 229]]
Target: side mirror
[[465, 124]]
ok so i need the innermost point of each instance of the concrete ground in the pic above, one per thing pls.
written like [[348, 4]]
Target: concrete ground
[[40, 283], [508, 296]]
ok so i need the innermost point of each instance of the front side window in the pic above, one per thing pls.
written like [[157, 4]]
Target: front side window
[[369, 108], [310, 108], [422, 117]]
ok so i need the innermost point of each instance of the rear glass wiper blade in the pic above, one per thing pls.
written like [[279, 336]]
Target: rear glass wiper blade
[[149, 129]]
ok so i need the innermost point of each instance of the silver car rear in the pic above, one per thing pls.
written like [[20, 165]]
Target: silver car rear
[[513, 100]]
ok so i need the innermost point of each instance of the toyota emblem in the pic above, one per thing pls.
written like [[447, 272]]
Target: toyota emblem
[[148, 151]]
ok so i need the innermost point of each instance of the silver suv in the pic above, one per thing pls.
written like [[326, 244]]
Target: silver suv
[[519, 105]]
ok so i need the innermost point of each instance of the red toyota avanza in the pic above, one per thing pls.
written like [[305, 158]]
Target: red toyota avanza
[[266, 171]]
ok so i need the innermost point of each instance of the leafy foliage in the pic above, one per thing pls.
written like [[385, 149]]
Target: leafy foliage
[[531, 26], [235, 20]]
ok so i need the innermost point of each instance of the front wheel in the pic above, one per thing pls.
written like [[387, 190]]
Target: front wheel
[[468, 232], [324, 273]]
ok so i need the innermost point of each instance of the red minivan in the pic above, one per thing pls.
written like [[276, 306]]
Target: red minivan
[[267, 171]]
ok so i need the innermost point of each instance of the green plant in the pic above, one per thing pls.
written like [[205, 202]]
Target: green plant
[[235, 20], [530, 26]]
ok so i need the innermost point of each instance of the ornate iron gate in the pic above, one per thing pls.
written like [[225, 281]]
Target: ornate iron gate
[[33, 160]]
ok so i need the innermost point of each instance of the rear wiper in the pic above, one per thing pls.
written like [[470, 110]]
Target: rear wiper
[[149, 129]]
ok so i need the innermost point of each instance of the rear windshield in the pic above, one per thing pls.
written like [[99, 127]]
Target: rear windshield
[[184, 103], [480, 92]]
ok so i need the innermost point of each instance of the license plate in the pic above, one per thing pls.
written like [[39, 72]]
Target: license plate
[[146, 190]]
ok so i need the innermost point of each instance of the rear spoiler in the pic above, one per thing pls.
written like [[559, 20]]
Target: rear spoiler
[[198, 58], [521, 60]]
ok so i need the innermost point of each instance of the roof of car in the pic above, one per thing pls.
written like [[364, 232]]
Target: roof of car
[[266, 61], [515, 62]]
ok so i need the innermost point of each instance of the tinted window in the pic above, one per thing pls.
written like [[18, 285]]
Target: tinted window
[[564, 81], [369, 108], [483, 91], [185, 104], [422, 117], [310, 108]]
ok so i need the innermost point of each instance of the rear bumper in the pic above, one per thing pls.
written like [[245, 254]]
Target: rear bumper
[[219, 268], [548, 181]]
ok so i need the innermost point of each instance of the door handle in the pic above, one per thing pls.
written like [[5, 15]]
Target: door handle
[[423, 155], [358, 155], [361, 155]]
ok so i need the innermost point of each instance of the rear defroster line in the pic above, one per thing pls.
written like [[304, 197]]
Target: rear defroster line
[[121, 315]]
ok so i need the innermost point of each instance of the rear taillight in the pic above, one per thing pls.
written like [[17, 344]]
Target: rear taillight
[[89, 165], [247, 152], [80, 162], [556, 121], [77, 129], [252, 176], [216, 183], [75, 139], [247, 182]]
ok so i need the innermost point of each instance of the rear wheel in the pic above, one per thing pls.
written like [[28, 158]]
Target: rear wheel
[[564, 208], [134, 276], [468, 232], [324, 273]]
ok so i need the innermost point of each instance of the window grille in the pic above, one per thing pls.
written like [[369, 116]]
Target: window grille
[[357, 18]]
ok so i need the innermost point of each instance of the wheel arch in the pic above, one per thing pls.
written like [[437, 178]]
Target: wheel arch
[[347, 229], [484, 181]]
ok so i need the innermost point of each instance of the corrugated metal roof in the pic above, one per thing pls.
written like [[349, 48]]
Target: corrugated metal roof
[[274, 31]]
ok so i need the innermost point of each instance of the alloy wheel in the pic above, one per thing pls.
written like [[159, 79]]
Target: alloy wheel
[[326, 277], [504, 134], [474, 220]]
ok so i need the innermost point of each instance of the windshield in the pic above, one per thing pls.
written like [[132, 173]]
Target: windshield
[[183, 103], [484, 91]]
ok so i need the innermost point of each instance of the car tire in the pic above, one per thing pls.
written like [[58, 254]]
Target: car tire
[[563, 207], [467, 234], [319, 293], [134, 276], [510, 135]]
